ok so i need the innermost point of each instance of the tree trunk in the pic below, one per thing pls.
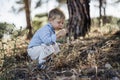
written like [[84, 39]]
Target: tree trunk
[[28, 18], [100, 12], [104, 12], [79, 18]]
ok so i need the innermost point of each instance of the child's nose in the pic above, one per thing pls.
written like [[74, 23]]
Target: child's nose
[[61, 24]]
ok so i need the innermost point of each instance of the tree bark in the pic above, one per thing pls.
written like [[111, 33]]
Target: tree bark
[[28, 18], [100, 12], [79, 18]]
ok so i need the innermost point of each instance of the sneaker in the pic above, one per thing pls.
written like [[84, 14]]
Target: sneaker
[[41, 66], [50, 59]]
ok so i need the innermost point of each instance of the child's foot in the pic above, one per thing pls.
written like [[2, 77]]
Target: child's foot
[[42, 66], [50, 59]]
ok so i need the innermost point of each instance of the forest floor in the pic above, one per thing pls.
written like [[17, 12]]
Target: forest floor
[[96, 57]]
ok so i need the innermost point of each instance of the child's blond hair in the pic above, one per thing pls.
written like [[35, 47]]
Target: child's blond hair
[[56, 13]]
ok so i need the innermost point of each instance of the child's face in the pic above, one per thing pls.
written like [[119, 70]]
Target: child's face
[[57, 23]]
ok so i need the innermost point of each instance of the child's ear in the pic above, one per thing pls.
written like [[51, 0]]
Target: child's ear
[[50, 19]]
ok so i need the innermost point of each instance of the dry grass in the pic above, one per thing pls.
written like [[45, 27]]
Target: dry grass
[[83, 59]]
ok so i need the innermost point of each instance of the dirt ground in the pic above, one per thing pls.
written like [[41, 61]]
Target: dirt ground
[[96, 57]]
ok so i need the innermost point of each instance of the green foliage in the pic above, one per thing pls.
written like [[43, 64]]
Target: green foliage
[[10, 29], [16, 33], [61, 1], [38, 4], [20, 2], [118, 23], [6, 28], [39, 20], [105, 20], [108, 24]]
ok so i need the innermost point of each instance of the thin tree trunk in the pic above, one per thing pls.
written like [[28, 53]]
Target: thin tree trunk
[[104, 12], [100, 12], [28, 19]]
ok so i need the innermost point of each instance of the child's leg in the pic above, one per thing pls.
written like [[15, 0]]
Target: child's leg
[[56, 48], [47, 52], [51, 52], [34, 52]]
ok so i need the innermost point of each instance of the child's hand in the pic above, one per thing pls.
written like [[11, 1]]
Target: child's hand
[[61, 33]]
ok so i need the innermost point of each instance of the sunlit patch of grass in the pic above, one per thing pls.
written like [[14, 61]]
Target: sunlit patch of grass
[[9, 50], [103, 31]]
